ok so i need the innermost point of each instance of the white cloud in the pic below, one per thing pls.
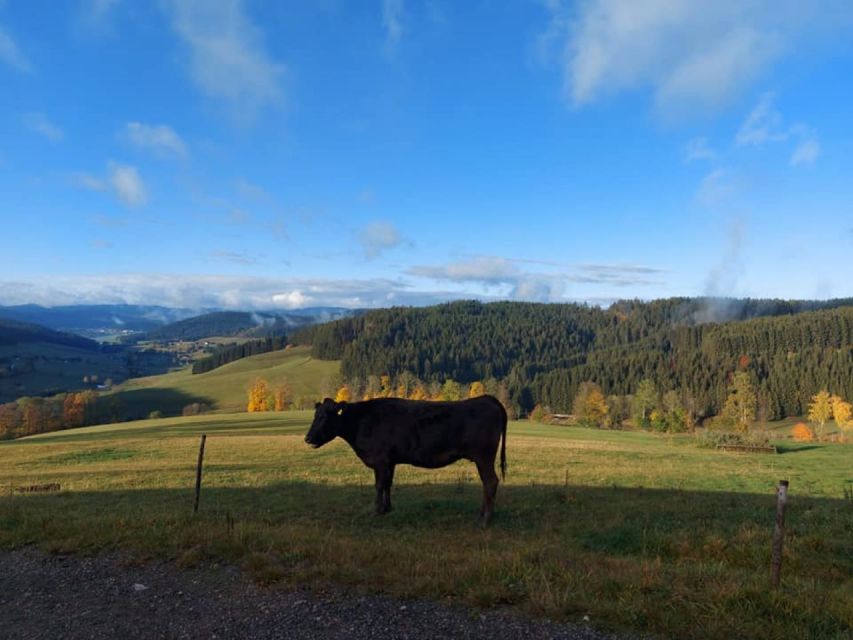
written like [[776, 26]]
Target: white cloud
[[40, 124], [500, 276], [292, 299], [227, 60], [215, 291], [806, 152], [505, 277], [688, 56], [392, 13], [123, 181], [488, 270], [12, 55], [160, 138], [127, 185], [377, 237]]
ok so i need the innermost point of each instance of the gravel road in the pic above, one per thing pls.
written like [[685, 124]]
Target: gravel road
[[43, 596]]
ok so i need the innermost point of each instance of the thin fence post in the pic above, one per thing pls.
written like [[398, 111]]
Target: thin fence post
[[198, 472], [778, 533]]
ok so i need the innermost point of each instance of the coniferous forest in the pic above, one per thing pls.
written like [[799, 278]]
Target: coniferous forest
[[542, 353]]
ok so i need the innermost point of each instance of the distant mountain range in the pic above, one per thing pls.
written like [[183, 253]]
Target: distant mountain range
[[246, 324], [98, 321]]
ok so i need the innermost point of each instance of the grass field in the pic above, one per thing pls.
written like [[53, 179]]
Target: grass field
[[224, 388], [637, 531]]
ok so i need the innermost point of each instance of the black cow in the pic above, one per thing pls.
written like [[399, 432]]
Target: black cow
[[386, 432]]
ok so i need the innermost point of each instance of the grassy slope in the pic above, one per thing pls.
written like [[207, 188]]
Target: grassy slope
[[635, 530], [225, 388]]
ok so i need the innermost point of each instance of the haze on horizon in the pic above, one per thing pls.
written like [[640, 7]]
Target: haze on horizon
[[260, 155]]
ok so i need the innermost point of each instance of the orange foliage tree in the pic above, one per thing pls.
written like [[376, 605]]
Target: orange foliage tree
[[282, 396], [344, 394], [802, 432]]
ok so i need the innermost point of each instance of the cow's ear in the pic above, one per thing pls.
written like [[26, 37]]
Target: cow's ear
[[317, 405], [328, 401]]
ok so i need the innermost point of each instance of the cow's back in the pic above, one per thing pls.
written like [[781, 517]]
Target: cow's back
[[425, 433]]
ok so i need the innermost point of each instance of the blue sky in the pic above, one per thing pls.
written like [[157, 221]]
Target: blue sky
[[268, 154]]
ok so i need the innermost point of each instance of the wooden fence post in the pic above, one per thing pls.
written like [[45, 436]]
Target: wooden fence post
[[778, 533], [198, 473]]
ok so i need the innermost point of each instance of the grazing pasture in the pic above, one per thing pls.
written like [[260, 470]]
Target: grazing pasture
[[224, 388], [637, 531]]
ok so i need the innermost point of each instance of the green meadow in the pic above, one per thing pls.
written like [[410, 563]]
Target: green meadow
[[637, 531], [224, 389]]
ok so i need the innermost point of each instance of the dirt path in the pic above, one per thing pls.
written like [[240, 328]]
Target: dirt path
[[45, 596]]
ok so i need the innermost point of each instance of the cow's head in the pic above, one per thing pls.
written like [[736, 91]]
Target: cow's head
[[328, 417]]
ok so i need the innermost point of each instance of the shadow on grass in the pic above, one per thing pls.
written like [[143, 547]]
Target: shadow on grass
[[137, 404], [611, 520], [795, 448]]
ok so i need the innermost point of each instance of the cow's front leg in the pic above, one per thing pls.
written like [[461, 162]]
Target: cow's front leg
[[384, 475]]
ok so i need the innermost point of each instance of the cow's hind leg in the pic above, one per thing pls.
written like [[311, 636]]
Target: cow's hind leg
[[486, 469], [384, 475]]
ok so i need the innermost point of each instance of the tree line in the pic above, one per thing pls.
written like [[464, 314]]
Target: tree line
[[232, 352], [543, 353], [31, 415]]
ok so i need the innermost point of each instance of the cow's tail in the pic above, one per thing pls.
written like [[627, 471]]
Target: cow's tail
[[503, 443]]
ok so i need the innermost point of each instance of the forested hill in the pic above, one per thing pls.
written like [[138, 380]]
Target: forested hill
[[544, 351], [14, 332], [244, 324], [220, 323]]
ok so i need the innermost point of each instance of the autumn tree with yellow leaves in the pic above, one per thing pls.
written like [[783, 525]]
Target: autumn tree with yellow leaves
[[820, 410], [258, 392], [841, 412]]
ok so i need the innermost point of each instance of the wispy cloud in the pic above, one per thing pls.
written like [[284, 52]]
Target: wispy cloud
[[806, 152], [235, 257], [12, 55], [379, 236], [715, 188], [619, 275], [506, 277], [127, 185], [122, 180], [765, 124], [96, 16], [686, 57], [227, 59], [762, 125], [392, 15], [39, 123], [698, 149], [157, 138], [500, 276], [249, 191]]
